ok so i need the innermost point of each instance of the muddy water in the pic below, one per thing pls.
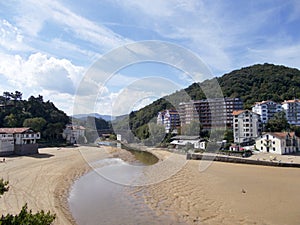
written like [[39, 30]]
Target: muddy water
[[101, 198]]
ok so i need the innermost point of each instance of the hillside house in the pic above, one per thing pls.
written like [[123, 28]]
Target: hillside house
[[266, 109], [292, 111], [72, 133], [170, 120], [278, 143]]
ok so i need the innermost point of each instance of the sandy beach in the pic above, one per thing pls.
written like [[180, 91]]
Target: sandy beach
[[43, 180], [228, 193], [222, 194]]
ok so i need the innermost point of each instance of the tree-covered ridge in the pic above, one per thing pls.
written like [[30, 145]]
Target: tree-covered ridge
[[42, 116], [261, 82], [251, 84]]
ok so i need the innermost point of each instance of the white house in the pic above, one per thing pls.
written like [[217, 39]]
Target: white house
[[6, 144], [292, 111], [72, 133], [21, 141], [266, 109], [278, 143], [246, 126]]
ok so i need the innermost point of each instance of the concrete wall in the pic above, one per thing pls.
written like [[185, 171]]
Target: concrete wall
[[28, 149]]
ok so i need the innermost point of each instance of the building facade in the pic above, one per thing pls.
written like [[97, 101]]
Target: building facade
[[20, 141], [72, 133], [215, 112], [246, 126], [170, 119], [278, 143], [266, 109], [292, 111]]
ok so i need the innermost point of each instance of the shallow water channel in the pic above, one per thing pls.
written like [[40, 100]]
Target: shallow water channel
[[100, 196]]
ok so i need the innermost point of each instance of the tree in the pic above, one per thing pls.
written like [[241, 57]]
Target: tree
[[156, 134], [36, 123], [278, 123], [3, 186], [25, 216], [10, 120], [192, 129]]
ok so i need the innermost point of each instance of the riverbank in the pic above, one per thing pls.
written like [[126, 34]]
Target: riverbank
[[43, 181], [227, 193]]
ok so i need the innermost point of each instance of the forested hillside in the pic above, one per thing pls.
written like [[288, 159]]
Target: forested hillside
[[251, 84], [35, 113]]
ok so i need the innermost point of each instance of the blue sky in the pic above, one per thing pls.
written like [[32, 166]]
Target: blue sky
[[48, 47]]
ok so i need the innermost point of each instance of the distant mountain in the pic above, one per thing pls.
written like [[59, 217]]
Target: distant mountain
[[96, 115], [251, 84]]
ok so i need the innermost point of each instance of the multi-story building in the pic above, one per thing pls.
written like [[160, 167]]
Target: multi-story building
[[21, 141], [246, 126], [73, 133], [278, 143], [266, 109], [170, 119], [215, 112], [292, 111]]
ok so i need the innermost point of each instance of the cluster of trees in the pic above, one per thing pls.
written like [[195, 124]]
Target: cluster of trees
[[25, 216], [251, 84], [41, 116]]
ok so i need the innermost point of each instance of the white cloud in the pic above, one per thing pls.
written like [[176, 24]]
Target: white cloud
[[11, 37], [40, 74], [34, 15]]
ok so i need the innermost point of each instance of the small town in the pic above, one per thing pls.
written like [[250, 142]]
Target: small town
[[182, 112], [249, 127]]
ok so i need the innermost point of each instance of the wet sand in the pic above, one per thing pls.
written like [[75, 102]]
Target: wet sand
[[228, 193], [222, 194], [43, 181]]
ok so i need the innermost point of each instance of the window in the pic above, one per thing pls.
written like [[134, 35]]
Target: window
[[274, 149], [261, 148]]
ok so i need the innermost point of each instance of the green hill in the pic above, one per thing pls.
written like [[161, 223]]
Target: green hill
[[251, 84], [42, 116]]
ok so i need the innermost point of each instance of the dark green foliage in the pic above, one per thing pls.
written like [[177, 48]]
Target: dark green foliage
[[278, 123], [37, 123], [251, 84], [3, 186], [26, 217], [261, 82], [35, 113]]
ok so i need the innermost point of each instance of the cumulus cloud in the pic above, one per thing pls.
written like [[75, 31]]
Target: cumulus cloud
[[39, 74]]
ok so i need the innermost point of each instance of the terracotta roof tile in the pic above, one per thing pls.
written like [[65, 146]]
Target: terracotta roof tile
[[14, 130]]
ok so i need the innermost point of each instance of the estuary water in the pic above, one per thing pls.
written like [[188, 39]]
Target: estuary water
[[104, 196]]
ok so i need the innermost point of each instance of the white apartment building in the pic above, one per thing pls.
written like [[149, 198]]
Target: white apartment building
[[246, 126], [278, 143], [266, 109], [170, 119], [292, 111]]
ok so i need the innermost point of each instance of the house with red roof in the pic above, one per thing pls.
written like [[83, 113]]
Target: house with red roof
[[278, 143], [19, 140]]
